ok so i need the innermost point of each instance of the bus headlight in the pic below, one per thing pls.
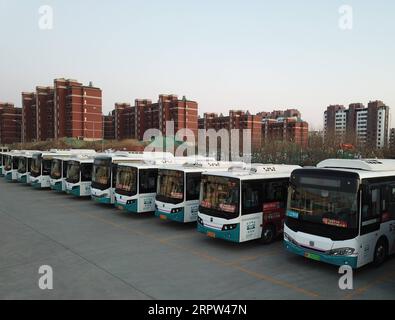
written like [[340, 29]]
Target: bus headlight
[[288, 238], [176, 210], [342, 252], [200, 220], [228, 227]]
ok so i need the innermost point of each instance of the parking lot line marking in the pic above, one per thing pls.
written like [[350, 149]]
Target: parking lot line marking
[[79, 255], [177, 237], [208, 257], [256, 275], [282, 283], [252, 258], [362, 290]]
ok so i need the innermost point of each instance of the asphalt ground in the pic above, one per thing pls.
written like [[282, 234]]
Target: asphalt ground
[[99, 252]]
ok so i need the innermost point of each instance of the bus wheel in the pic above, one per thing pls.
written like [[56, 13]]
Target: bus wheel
[[380, 253], [268, 234]]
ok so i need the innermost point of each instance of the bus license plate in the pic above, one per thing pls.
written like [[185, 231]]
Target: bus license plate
[[163, 217], [120, 207], [211, 234], [312, 256]]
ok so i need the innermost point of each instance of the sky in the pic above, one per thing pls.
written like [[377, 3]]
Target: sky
[[255, 55]]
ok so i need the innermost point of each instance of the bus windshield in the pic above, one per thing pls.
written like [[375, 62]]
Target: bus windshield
[[56, 169], [220, 197], [331, 202], [22, 165], [73, 172], [170, 186], [35, 170], [15, 163], [126, 181], [101, 177], [8, 163]]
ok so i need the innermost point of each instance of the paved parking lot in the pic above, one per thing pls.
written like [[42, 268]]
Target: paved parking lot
[[98, 252]]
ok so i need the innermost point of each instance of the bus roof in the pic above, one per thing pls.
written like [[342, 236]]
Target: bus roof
[[121, 155], [58, 153], [202, 166], [82, 159], [258, 171], [365, 168], [156, 163]]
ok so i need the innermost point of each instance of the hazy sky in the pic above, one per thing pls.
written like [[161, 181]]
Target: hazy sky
[[257, 55]]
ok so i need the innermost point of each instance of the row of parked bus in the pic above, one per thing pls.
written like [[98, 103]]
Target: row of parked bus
[[341, 212]]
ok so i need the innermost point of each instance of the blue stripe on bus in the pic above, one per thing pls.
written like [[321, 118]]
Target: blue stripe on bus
[[229, 235], [334, 260], [178, 217]]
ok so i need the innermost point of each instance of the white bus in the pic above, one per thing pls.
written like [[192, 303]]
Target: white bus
[[342, 212], [58, 173], [178, 189], [105, 171], [79, 176], [244, 205], [136, 185], [40, 169], [24, 166], [11, 162]]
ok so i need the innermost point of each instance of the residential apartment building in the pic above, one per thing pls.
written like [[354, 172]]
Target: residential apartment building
[[292, 130], [68, 109], [29, 120], [10, 123], [236, 120], [289, 113], [358, 125], [109, 126], [392, 139], [378, 125], [83, 109], [182, 112], [265, 126], [44, 113], [124, 117], [335, 123], [133, 121]]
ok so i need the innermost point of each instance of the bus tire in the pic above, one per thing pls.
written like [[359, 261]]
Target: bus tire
[[268, 234], [380, 252]]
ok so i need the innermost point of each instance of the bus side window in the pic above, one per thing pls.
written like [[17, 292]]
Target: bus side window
[[391, 201], [371, 207], [252, 197], [193, 186], [276, 191], [86, 172]]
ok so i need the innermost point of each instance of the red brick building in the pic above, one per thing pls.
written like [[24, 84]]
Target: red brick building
[[124, 117], [29, 121], [61, 91], [68, 109], [44, 113], [285, 129], [184, 114], [109, 126], [144, 117], [84, 113], [239, 120], [134, 121], [10, 123]]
